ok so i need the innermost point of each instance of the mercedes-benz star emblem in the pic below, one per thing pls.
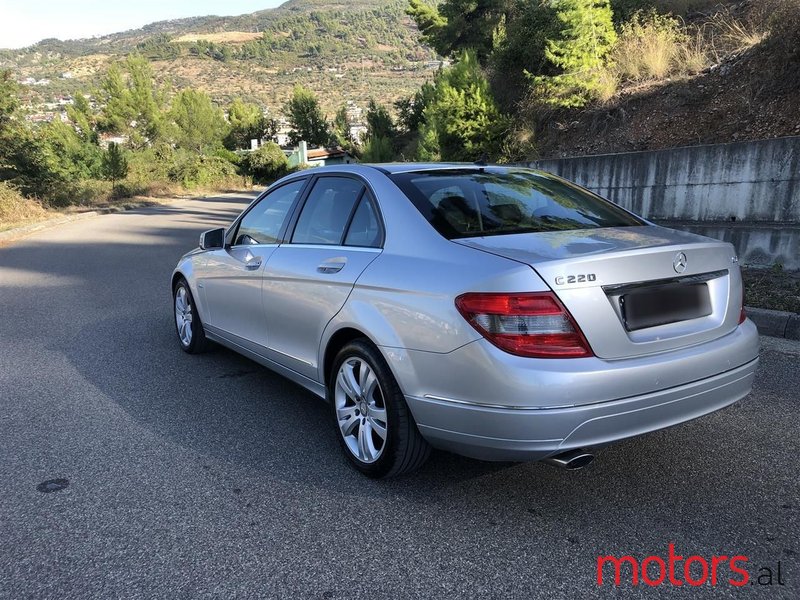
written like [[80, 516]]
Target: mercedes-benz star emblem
[[679, 264]]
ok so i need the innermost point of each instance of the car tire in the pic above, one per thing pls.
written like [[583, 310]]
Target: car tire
[[188, 326], [373, 423]]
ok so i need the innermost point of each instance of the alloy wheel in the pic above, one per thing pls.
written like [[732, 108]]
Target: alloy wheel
[[360, 409], [183, 315]]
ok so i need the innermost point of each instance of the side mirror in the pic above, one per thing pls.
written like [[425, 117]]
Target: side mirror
[[213, 238]]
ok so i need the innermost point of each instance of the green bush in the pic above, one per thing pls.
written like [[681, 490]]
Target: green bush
[[267, 163], [195, 170]]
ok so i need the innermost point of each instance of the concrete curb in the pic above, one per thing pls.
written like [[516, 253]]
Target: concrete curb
[[775, 323], [16, 233]]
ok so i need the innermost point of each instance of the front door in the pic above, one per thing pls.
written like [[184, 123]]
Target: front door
[[232, 277]]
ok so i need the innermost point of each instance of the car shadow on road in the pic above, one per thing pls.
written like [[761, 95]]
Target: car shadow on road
[[226, 408]]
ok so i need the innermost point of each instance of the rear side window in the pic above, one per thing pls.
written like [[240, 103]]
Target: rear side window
[[364, 229], [327, 211], [472, 203], [262, 223]]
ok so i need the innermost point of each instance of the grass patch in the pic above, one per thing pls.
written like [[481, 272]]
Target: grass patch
[[772, 288], [16, 210], [652, 46]]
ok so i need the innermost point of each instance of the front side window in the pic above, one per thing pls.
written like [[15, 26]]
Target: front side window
[[262, 224], [478, 202], [327, 211]]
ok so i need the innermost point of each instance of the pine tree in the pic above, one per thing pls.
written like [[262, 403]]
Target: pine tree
[[200, 124], [468, 124], [579, 51], [115, 164]]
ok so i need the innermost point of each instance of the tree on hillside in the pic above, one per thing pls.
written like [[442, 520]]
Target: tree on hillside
[[199, 123], [411, 111], [9, 99], [380, 141], [341, 126], [132, 103], [586, 37], [379, 121], [248, 122], [459, 24], [509, 37], [82, 117], [463, 119], [115, 164], [306, 118]]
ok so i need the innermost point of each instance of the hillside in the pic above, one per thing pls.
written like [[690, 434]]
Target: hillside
[[746, 93], [344, 51]]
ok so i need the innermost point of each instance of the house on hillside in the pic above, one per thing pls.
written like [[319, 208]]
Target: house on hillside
[[111, 138], [319, 157]]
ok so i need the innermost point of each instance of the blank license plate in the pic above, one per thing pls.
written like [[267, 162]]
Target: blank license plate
[[660, 305]]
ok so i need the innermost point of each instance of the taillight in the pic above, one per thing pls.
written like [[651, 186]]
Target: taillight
[[742, 315], [532, 324]]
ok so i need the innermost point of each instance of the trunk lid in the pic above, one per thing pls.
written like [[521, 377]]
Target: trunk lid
[[633, 290]]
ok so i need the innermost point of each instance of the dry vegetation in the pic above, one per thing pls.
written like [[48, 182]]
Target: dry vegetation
[[229, 37], [15, 209], [656, 47], [728, 72]]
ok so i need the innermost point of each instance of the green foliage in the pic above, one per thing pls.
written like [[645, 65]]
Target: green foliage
[[62, 164], [115, 163], [410, 111], [579, 52], [248, 122], [340, 128], [267, 163], [83, 119], [193, 170], [428, 148], [67, 155], [520, 46], [199, 123], [377, 149], [133, 105], [158, 47], [379, 122], [432, 24], [306, 118], [9, 100], [463, 117], [459, 24]]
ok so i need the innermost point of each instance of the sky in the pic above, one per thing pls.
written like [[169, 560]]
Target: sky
[[25, 22]]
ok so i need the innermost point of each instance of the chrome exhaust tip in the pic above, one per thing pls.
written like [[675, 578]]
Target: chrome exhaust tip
[[571, 460]]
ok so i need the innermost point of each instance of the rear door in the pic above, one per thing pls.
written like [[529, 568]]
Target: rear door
[[336, 235]]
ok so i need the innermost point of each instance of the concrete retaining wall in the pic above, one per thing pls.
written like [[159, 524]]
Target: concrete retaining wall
[[747, 193]]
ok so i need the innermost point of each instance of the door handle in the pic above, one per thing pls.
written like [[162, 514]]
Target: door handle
[[253, 264], [331, 266]]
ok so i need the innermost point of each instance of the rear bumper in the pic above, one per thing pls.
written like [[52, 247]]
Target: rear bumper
[[491, 432]]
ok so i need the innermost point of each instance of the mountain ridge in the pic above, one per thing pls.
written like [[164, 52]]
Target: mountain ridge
[[343, 51]]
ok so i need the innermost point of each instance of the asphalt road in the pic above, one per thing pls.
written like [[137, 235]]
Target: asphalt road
[[209, 476]]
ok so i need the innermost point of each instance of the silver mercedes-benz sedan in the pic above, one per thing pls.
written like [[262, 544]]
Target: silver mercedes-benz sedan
[[500, 313]]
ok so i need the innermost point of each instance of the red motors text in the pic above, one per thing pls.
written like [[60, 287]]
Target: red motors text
[[678, 570]]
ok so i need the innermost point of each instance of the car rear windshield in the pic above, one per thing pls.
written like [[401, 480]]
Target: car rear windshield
[[477, 202]]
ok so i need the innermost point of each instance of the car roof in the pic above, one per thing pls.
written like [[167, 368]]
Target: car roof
[[408, 167]]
